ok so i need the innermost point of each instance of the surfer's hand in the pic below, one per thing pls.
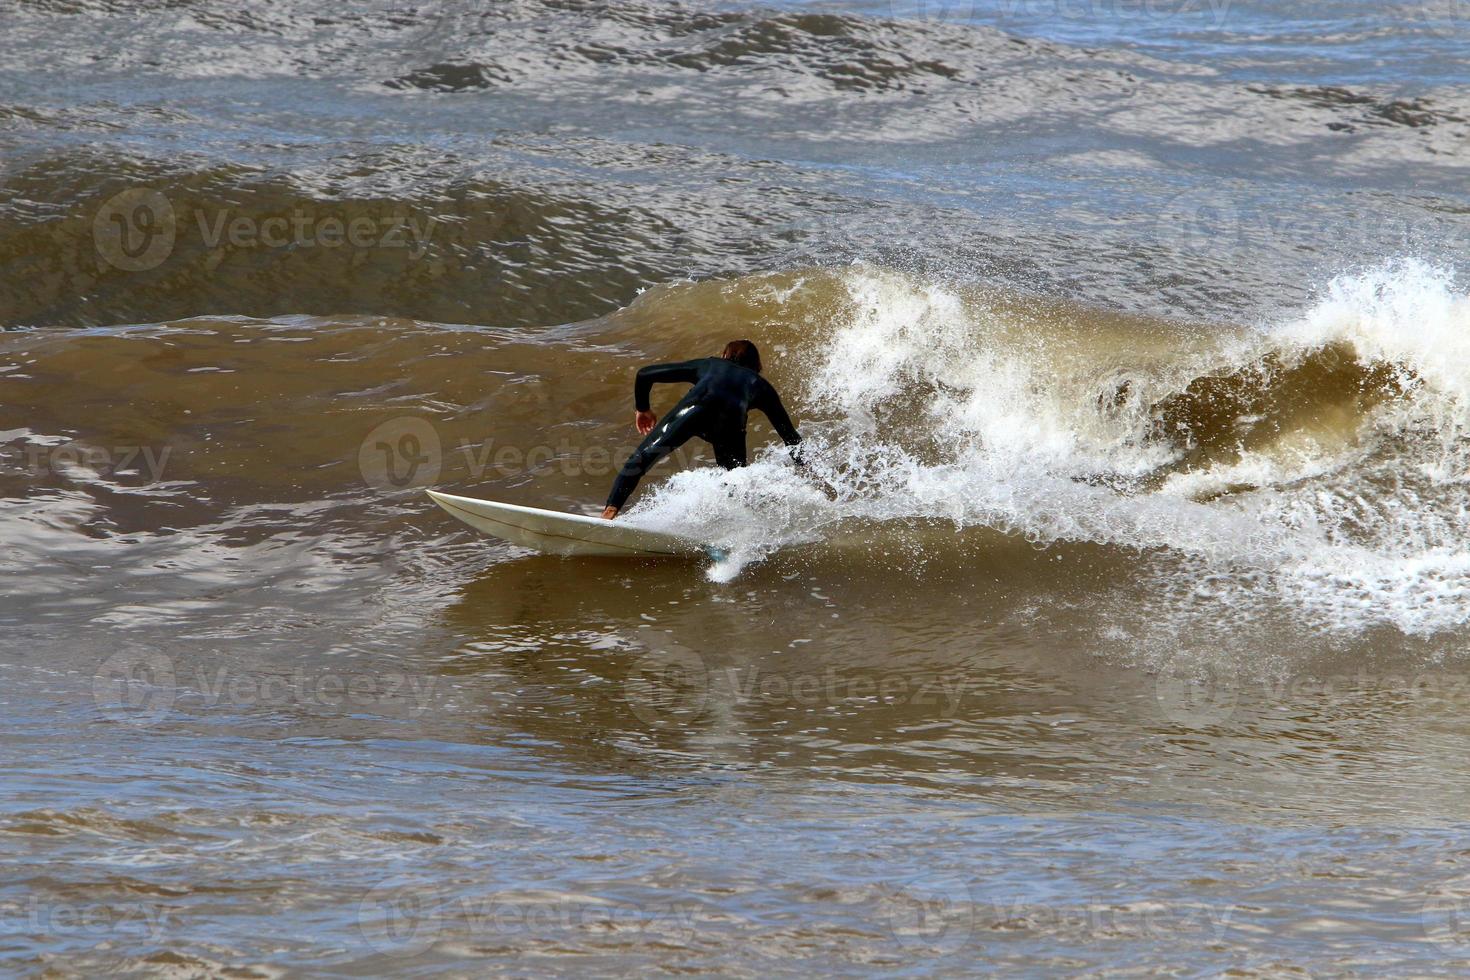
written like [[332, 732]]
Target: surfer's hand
[[644, 422]]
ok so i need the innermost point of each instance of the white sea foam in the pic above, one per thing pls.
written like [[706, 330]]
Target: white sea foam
[[1016, 427]]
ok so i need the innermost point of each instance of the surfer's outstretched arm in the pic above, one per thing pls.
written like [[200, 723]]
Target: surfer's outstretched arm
[[769, 403]]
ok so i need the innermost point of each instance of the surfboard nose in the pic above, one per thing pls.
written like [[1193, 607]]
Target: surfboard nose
[[559, 533]]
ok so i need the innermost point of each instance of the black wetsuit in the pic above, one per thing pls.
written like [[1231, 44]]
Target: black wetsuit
[[714, 410]]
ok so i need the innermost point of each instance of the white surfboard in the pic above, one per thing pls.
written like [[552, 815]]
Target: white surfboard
[[566, 534]]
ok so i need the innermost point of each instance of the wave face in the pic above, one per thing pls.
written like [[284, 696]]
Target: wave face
[[1313, 469]]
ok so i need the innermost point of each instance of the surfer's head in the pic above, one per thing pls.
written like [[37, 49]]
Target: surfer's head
[[743, 352]]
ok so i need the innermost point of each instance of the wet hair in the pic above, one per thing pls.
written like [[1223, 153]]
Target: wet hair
[[743, 352]]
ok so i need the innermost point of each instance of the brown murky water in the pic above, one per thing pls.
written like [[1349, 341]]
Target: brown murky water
[[1116, 624]]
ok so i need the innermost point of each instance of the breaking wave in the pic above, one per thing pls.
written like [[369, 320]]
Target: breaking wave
[[1323, 459]]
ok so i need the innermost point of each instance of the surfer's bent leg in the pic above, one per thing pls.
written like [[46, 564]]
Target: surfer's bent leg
[[678, 427], [730, 452]]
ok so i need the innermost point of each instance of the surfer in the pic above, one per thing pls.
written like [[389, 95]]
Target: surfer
[[725, 389]]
